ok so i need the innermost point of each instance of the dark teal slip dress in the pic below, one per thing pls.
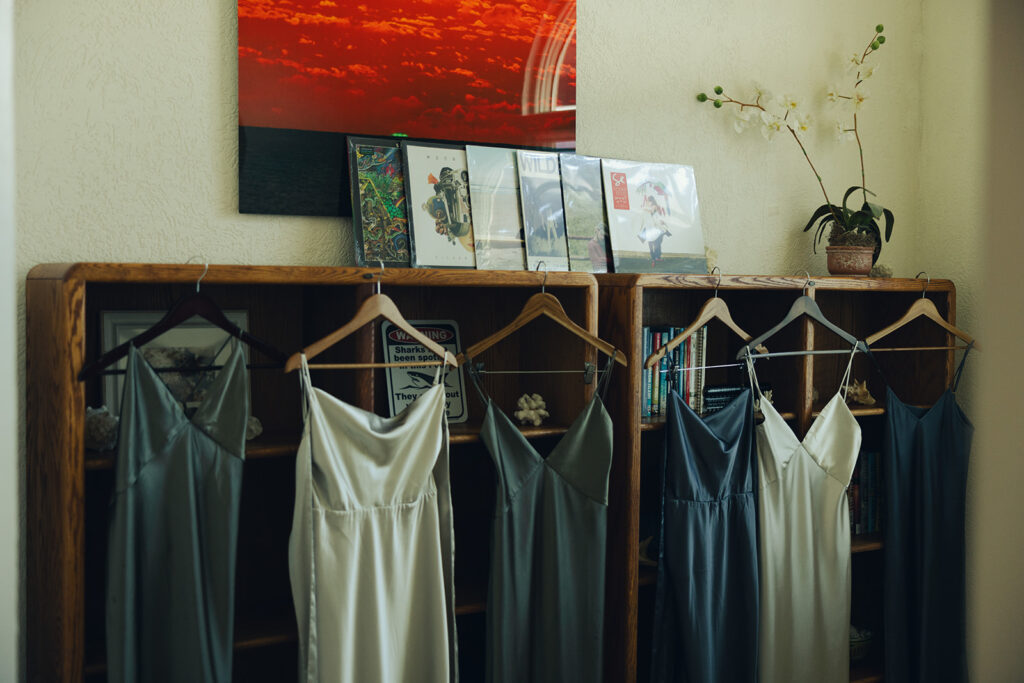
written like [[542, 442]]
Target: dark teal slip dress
[[173, 528], [925, 467], [545, 601], [706, 605]]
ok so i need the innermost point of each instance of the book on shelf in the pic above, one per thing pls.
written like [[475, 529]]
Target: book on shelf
[[680, 370], [865, 494]]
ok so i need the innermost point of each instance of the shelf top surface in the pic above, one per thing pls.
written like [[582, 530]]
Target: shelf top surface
[[735, 282], [303, 275]]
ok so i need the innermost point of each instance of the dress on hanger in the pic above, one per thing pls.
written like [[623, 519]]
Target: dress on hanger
[[545, 601], [173, 528], [925, 459], [705, 613], [371, 550], [805, 542]]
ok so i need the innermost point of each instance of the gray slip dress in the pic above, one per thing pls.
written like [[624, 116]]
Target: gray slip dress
[[545, 602], [174, 527]]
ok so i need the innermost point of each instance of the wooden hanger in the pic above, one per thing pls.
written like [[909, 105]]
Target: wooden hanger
[[377, 306], [804, 305], [197, 304], [713, 308], [922, 307], [538, 305]]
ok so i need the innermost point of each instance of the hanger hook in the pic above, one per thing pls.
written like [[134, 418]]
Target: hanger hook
[[380, 276], [807, 284], [542, 284], [719, 281], [206, 269], [926, 283]]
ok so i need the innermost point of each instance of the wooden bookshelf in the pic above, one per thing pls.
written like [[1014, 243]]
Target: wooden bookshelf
[[628, 302], [69, 487]]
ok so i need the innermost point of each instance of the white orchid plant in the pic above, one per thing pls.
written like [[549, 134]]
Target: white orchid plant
[[787, 113]]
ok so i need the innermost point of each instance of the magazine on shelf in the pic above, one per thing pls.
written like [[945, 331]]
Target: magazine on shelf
[[494, 193], [586, 227], [437, 192], [653, 217], [540, 188], [406, 384]]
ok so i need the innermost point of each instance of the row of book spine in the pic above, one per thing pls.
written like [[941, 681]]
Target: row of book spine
[[674, 369], [865, 494]]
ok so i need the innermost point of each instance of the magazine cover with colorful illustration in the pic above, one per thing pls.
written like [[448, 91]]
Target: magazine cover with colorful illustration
[[440, 218], [540, 189], [585, 225], [494, 192], [653, 218], [406, 384], [380, 227]]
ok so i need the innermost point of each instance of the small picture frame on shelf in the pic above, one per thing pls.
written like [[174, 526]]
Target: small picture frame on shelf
[[653, 217], [380, 223], [440, 216], [193, 344]]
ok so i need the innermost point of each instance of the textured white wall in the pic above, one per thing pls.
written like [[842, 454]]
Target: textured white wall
[[642, 63], [9, 477], [995, 535]]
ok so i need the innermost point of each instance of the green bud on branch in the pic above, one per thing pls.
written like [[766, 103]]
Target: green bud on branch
[[702, 97], [718, 90], [881, 39], [879, 28], [718, 104], [875, 45]]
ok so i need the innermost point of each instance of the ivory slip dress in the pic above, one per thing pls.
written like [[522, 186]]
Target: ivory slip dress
[[805, 542], [371, 550], [545, 600]]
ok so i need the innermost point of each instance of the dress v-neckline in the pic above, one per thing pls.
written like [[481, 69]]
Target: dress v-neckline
[[919, 415], [825, 411], [703, 420], [589, 408], [216, 388]]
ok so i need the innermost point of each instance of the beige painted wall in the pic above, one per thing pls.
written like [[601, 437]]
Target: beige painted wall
[[641, 64], [127, 150], [9, 476], [995, 534]]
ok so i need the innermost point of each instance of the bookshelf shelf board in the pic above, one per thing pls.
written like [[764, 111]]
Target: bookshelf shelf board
[[869, 671], [263, 446], [863, 543], [648, 575], [469, 432]]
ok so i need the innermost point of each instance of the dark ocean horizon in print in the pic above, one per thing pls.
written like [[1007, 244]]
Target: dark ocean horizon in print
[[293, 172]]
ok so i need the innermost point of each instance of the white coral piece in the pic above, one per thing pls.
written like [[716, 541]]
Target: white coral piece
[[531, 409]]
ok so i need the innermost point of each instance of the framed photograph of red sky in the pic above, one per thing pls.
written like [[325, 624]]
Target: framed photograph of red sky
[[311, 72]]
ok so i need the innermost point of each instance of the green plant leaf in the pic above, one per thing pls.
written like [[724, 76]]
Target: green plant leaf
[[890, 220], [854, 189], [875, 209], [823, 210]]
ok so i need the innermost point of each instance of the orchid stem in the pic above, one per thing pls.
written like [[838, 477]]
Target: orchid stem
[[816, 175]]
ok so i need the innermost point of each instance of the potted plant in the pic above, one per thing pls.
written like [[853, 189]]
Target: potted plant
[[854, 236]]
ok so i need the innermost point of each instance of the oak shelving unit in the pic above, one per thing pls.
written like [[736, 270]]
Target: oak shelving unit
[[801, 385], [69, 487]]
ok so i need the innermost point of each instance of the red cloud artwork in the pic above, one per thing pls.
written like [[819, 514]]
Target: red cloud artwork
[[466, 70]]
